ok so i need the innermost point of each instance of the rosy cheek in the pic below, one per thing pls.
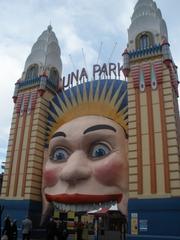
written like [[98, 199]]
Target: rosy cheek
[[108, 172], [51, 176]]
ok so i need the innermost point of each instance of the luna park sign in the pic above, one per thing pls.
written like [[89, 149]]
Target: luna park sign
[[110, 70]]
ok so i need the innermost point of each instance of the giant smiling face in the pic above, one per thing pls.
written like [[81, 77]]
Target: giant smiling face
[[86, 166]]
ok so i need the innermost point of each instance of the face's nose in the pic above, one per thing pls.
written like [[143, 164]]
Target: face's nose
[[76, 168]]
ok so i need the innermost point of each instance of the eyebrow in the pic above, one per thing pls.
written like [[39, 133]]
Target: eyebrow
[[99, 127], [59, 134]]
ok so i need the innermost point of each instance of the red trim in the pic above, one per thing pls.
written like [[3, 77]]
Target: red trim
[[164, 140], [27, 154], [139, 143], [158, 67], [167, 62], [26, 100], [14, 99], [147, 74], [174, 80], [41, 92], [19, 102], [19, 155], [33, 99], [135, 71], [83, 198], [165, 42], [126, 71], [12, 155], [151, 140], [125, 52]]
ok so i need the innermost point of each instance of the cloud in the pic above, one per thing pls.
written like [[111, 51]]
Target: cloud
[[10, 72], [2, 151], [78, 25]]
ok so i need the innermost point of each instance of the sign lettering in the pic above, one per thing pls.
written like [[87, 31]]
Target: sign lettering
[[110, 70]]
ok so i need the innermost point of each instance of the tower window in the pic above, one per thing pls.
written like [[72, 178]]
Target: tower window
[[54, 76], [144, 41], [32, 72]]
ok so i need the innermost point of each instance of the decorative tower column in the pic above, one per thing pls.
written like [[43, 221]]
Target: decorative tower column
[[154, 164], [21, 189]]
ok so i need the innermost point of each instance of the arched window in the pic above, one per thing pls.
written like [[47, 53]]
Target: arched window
[[144, 41], [54, 76], [32, 72]]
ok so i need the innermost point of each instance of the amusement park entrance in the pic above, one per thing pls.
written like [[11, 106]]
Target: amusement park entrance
[[102, 224]]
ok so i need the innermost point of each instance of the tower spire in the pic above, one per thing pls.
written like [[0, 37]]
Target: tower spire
[[146, 18], [45, 55]]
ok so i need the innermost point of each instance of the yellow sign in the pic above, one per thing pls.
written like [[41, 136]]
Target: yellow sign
[[71, 215], [56, 214], [134, 223]]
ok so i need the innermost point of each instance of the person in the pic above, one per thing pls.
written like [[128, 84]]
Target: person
[[65, 231], [51, 229], [14, 231], [7, 227], [59, 229], [85, 164], [79, 229], [26, 228], [4, 236], [85, 231]]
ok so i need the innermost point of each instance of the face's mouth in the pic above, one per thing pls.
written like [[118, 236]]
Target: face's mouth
[[83, 202]]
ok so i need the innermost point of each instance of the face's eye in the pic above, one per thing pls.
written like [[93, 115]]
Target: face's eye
[[99, 150], [59, 154]]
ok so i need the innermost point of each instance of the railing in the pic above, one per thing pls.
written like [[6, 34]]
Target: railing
[[35, 82], [156, 49]]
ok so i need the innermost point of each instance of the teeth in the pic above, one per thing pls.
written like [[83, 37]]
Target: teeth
[[82, 207]]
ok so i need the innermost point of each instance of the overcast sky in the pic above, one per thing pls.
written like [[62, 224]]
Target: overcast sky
[[78, 24]]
